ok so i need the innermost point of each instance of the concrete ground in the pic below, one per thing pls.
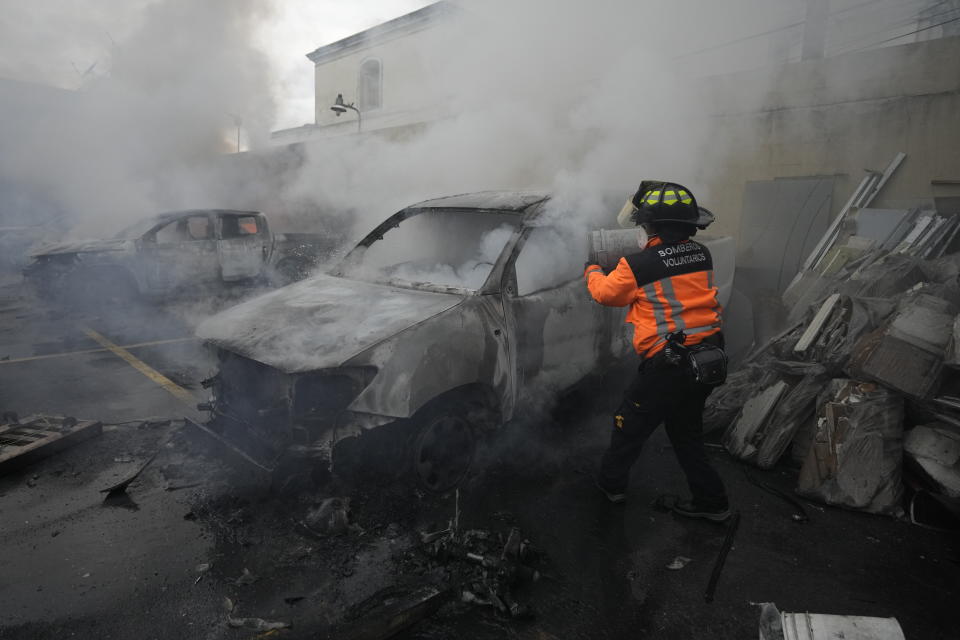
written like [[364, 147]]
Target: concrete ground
[[194, 530]]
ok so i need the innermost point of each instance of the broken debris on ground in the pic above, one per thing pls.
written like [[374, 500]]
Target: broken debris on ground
[[866, 373]]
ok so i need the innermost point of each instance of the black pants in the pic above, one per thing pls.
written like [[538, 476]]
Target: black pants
[[663, 393]]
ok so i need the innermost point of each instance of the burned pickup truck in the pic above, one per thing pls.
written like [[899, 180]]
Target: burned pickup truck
[[173, 252], [441, 324]]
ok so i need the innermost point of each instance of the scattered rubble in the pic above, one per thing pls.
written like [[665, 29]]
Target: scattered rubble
[[855, 458], [256, 624], [864, 369], [332, 517], [488, 567], [935, 448], [201, 569], [246, 578], [907, 354]]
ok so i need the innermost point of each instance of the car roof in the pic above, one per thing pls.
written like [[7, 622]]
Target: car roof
[[516, 201], [167, 215]]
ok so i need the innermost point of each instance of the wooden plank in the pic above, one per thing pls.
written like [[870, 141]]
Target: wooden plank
[[20, 456], [828, 238], [891, 168], [868, 189], [390, 611], [753, 416], [813, 329]]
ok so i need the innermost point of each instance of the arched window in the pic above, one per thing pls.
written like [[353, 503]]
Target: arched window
[[370, 85]]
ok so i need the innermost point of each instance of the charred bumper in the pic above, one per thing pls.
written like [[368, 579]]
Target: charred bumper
[[272, 415]]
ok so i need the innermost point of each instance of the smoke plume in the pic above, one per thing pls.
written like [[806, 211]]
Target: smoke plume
[[157, 103], [579, 98]]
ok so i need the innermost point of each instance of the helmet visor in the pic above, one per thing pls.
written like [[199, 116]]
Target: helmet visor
[[625, 217]]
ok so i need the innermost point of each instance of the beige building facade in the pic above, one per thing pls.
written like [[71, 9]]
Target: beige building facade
[[387, 72], [837, 117]]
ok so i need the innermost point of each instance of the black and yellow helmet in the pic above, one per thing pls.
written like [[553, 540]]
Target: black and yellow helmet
[[657, 201]]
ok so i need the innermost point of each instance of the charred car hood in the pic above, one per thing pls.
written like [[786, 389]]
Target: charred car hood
[[320, 322], [80, 246]]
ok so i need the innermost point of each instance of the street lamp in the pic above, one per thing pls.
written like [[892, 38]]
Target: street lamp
[[339, 107]]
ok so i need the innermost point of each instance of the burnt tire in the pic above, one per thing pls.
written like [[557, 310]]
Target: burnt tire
[[379, 457], [444, 447]]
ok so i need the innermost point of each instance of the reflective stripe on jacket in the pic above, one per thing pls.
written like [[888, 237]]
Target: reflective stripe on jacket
[[669, 287]]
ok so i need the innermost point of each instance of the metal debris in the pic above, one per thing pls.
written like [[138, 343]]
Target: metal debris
[[246, 578], [777, 625], [489, 566], [732, 527], [121, 487], [679, 563]]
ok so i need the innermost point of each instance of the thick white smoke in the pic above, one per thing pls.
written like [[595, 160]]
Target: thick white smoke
[[578, 98], [569, 96], [158, 103]]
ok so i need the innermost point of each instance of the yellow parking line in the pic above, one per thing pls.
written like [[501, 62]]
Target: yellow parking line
[[168, 385], [81, 352]]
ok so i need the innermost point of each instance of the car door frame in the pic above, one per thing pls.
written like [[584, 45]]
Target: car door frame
[[151, 263], [604, 321], [262, 249]]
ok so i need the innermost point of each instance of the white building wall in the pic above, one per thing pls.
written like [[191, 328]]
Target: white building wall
[[411, 91]]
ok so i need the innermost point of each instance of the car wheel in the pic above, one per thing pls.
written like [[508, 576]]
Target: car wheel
[[444, 449]]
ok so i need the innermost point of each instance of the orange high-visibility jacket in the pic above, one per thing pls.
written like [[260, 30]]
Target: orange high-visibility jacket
[[669, 287]]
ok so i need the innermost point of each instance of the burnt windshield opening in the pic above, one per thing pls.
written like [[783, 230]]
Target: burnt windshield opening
[[441, 247]]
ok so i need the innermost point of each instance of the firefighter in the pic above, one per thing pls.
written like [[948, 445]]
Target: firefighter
[[672, 299]]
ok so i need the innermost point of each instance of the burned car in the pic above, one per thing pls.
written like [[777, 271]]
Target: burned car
[[445, 319], [172, 252]]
